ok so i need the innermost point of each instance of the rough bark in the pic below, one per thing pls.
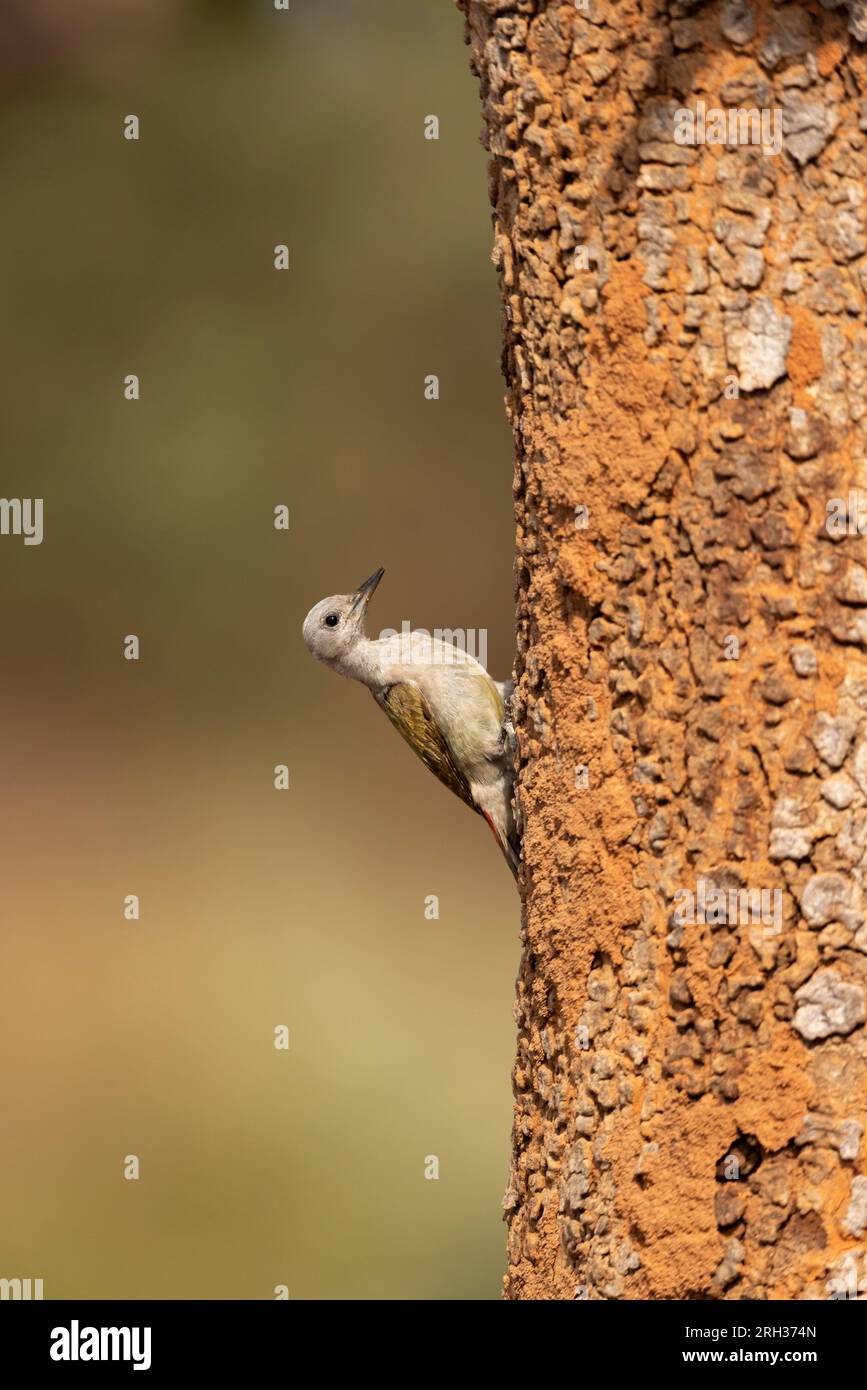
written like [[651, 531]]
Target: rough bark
[[689, 1095]]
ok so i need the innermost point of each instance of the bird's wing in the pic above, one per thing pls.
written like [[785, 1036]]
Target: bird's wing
[[411, 715]]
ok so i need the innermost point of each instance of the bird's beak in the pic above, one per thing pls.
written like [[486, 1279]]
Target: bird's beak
[[365, 591]]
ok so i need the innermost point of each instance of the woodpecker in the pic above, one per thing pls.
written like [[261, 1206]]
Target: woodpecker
[[438, 697]]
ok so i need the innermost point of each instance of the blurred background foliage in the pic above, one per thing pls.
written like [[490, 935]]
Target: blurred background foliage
[[258, 908]]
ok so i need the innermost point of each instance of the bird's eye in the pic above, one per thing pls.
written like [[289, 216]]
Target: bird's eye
[[332, 620]]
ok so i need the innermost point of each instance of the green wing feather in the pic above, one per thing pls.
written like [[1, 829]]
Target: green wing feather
[[410, 714]]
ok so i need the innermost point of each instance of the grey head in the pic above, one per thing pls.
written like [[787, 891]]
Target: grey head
[[334, 626]]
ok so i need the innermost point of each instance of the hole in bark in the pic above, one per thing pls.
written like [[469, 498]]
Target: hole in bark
[[746, 1152]]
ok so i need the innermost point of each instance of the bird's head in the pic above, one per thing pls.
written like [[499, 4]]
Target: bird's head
[[333, 626]]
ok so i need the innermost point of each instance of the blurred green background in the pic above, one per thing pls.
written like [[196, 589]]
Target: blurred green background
[[259, 907]]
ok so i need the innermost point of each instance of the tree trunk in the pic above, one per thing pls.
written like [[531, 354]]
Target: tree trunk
[[685, 355]]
